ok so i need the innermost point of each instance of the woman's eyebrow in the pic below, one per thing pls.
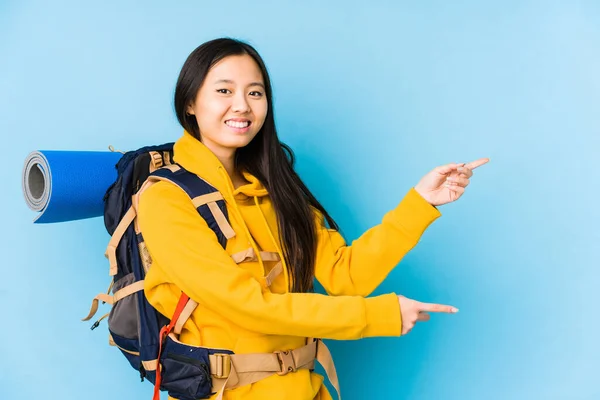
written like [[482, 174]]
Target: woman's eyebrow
[[229, 81]]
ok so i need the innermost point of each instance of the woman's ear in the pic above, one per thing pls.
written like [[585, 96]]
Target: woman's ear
[[190, 110]]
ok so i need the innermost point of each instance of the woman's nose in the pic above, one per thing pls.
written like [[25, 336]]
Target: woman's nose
[[240, 104]]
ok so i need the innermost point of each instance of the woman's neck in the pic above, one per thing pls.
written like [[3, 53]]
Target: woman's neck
[[228, 161]]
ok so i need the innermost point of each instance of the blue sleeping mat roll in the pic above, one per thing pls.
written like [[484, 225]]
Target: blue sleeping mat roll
[[68, 185]]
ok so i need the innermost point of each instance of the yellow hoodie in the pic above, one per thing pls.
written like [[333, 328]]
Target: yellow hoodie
[[237, 311]]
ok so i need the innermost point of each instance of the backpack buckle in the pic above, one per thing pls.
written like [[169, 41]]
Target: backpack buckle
[[223, 367], [156, 160], [286, 361]]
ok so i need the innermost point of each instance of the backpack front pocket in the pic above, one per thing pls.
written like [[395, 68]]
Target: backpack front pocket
[[185, 371], [185, 378]]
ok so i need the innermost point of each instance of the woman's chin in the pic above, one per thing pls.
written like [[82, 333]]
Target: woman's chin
[[239, 141]]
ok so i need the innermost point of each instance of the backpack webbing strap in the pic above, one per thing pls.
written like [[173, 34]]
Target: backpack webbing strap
[[324, 358], [111, 250], [232, 371], [221, 220], [159, 159], [269, 256], [167, 157], [184, 316], [156, 160], [274, 273], [250, 255], [112, 299], [207, 198]]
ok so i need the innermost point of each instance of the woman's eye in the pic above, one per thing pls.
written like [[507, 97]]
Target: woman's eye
[[224, 91], [256, 94]]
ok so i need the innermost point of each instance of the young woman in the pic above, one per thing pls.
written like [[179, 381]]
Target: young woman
[[256, 295]]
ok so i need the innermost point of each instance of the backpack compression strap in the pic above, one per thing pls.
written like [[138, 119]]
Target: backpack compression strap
[[235, 370]]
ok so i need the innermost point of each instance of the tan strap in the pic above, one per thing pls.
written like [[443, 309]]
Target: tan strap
[[245, 255], [111, 250], [250, 255], [134, 353], [120, 294], [269, 256], [246, 369], [324, 358], [274, 273], [136, 197], [102, 317], [94, 307], [207, 198], [225, 384], [135, 201], [235, 370], [150, 365], [156, 161], [184, 316], [112, 282], [221, 220], [167, 158], [128, 290]]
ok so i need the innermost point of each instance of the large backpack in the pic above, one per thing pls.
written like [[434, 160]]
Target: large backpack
[[147, 338]]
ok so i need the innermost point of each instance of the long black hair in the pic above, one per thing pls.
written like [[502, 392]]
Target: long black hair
[[265, 157]]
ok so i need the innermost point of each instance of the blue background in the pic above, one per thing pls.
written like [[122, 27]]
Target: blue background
[[371, 97]]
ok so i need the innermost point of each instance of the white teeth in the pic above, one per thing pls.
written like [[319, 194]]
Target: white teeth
[[235, 124]]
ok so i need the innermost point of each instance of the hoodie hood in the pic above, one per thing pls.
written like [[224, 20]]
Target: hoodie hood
[[252, 189], [195, 157]]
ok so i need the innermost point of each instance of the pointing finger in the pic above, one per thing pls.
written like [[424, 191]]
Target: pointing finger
[[477, 163], [438, 308]]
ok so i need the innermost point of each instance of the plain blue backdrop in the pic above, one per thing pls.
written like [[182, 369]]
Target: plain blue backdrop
[[371, 96]]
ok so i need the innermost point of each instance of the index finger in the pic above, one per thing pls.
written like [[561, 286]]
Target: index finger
[[478, 163], [438, 308]]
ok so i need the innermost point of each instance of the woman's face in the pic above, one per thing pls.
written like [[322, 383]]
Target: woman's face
[[231, 105]]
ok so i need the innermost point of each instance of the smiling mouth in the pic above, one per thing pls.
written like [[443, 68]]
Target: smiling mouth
[[237, 124]]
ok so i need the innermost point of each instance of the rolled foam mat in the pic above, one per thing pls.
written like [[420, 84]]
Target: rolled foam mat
[[68, 185]]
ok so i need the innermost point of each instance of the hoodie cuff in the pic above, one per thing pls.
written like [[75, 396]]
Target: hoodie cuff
[[383, 316], [413, 215]]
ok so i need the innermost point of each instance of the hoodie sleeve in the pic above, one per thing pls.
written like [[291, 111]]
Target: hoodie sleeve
[[186, 253], [359, 268]]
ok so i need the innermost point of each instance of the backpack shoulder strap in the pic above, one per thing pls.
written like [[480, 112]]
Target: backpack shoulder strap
[[208, 200]]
